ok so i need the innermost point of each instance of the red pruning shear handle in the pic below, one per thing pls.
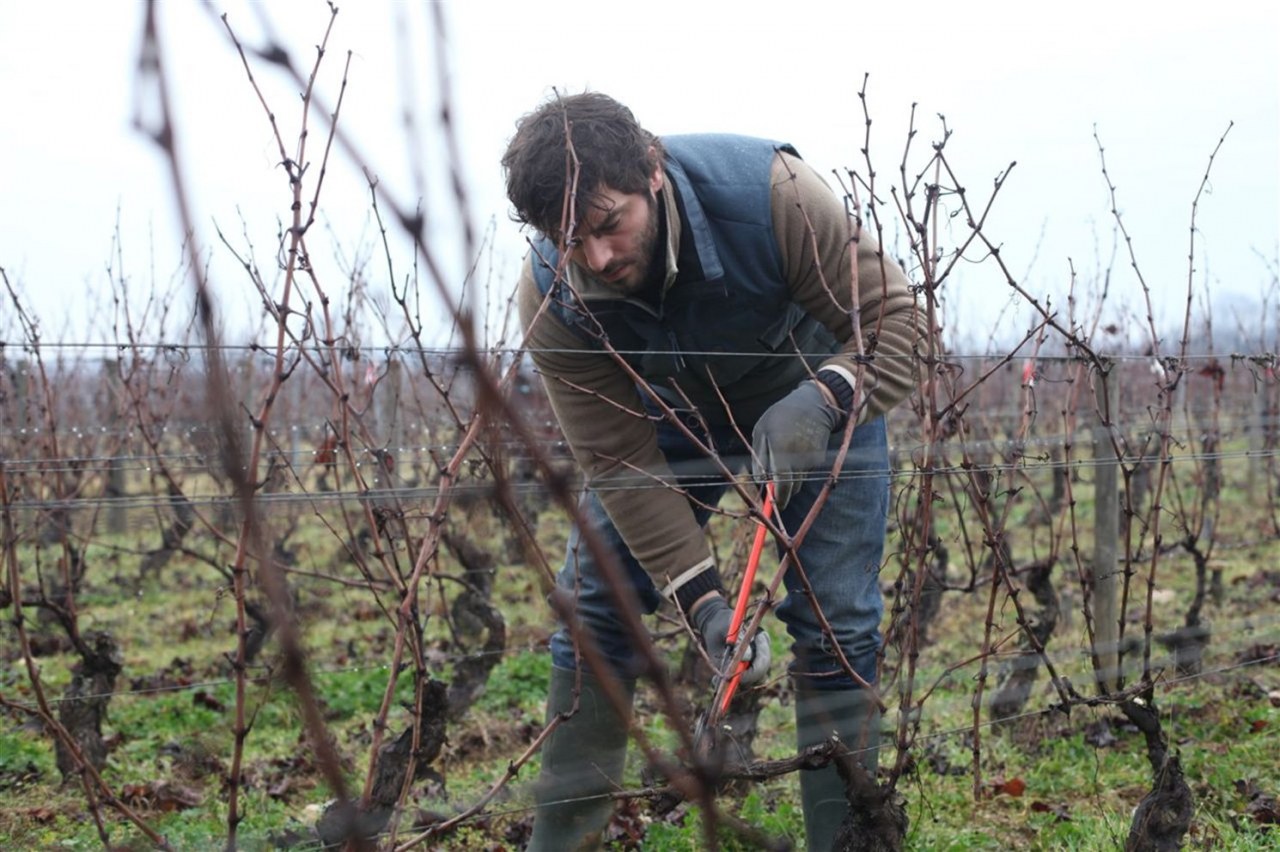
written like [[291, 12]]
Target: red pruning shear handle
[[744, 595]]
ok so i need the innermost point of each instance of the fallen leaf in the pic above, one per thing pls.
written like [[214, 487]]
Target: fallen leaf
[[1264, 810], [1247, 688], [1259, 653], [200, 698], [174, 797], [365, 611], [1248, 788], [1258, 725], [160, 796], [135, 794], [1013, 787], [1060, 811]]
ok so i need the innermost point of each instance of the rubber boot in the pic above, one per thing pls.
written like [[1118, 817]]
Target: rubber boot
[[582, 762], [853, 717]]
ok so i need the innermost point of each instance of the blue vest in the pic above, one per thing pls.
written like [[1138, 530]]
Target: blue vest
[[735, 326]]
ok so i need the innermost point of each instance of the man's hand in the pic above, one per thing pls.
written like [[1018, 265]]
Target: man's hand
[[712, 618], [790, 439]]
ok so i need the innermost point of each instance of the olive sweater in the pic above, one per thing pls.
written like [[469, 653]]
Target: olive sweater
[[599, 408]]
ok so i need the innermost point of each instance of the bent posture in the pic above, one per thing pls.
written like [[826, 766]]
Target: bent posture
[[716, 277]]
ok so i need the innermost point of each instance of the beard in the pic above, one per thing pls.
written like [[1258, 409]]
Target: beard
[[635, 267]]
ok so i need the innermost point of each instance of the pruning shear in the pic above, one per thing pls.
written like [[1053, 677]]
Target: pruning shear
[[744, 595], [730, 686]]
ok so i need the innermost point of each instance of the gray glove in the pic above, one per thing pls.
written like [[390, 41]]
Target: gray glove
[[712, 620], [790, 440]]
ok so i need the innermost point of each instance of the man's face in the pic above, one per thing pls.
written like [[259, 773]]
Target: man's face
[[615, 241]]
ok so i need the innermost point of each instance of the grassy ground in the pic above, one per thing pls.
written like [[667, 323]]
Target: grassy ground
[[1045, 781]]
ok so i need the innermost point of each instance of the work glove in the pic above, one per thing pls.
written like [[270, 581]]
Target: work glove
[[712, 620], [790, 440]]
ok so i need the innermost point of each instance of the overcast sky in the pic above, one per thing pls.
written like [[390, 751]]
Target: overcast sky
[[1016, 81]]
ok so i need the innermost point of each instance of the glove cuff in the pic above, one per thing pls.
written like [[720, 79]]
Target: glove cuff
[[841, 388], [686, 589], [707, 613]]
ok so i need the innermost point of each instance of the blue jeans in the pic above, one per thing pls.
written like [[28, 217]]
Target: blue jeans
[[841, 557]]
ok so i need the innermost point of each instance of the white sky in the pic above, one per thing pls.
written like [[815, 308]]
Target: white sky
[[1015, 83]]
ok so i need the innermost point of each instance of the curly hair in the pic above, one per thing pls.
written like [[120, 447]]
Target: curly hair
[[613, 151]]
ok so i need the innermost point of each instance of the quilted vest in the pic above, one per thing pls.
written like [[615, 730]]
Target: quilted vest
[[732, 332]]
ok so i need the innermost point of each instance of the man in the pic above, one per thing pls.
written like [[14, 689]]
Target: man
[[708, 296]]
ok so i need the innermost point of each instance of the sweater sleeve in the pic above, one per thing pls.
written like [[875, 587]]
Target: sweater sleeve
[[816, 237], [602, 418]]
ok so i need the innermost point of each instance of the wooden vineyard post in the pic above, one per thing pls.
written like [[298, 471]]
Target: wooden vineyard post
[[1106, 577], [115, 484]]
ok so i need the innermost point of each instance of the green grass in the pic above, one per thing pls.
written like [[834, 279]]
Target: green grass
[[771, 810], [173, 721]]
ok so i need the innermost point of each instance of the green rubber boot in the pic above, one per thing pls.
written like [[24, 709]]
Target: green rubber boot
[[582, 762], [851, 715]]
